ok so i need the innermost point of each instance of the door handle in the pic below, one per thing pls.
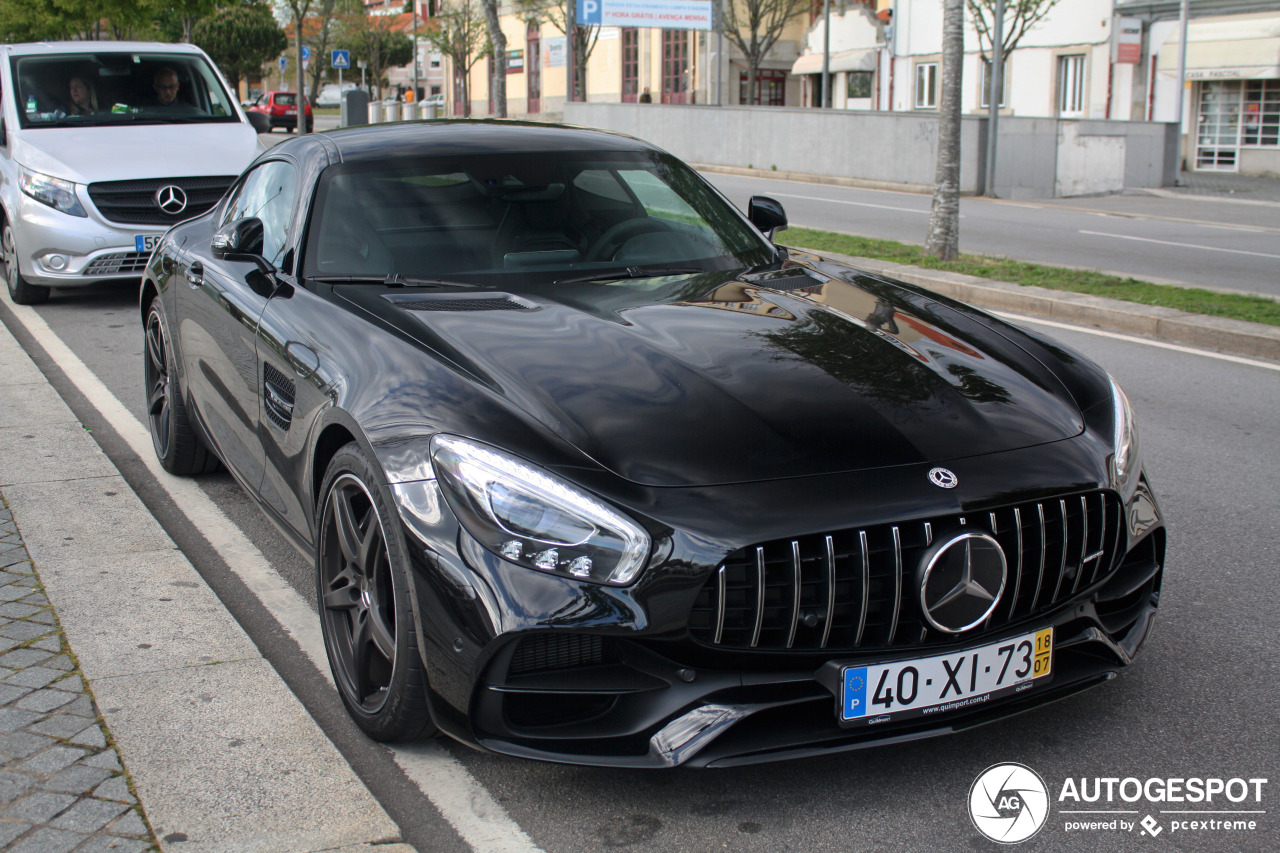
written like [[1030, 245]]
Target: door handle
[[195, 274]]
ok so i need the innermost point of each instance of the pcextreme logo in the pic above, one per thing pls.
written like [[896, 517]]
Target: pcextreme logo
[[1009, 803]]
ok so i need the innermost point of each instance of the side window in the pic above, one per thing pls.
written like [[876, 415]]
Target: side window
[[267, 193]]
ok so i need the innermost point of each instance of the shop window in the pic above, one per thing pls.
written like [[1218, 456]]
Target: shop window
[[771, 88], [675, 67], [1261, 117], [927, 86], [630, 65], [858, 84]]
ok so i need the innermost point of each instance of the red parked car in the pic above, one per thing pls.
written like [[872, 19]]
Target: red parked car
[[282, 110]]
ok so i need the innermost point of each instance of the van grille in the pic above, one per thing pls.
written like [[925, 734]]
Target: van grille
[[134, 202]]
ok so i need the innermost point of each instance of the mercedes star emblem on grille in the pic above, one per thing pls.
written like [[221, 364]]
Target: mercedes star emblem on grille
[[961, 580], [172, 200], [943, 478]]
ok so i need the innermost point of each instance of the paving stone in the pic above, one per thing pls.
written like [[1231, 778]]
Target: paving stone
[[22, 744], [91, 736], [20, 658], [18, 610], [89, 815], [49, 644], [23, 631], [51, 760], [14, 785], [59, 725], [27, 580], [74, 684], [7, 643], [40, 807], [61, 662], [37, 598], [10, 693], [44, 701], [44, 617], [116, 788], [12, 719], [77, 779], [130, 824], [10, 831], [107, 760], [81, 706], [48, 840], [12, 591], [34, 676]]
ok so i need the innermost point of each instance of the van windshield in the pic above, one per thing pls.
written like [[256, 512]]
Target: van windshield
[[95, 89]]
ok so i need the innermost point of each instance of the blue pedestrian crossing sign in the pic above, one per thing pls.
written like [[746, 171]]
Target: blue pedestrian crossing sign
[[341, 59], [306, 53], [284, 62]]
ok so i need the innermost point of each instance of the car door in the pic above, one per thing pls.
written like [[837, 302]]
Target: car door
[[221, 307]]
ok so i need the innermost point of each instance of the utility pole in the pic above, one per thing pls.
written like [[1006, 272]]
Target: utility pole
[[826, 54], [415, 51], [996, 78]]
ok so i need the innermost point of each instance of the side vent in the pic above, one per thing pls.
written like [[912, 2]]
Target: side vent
[[277, 396]]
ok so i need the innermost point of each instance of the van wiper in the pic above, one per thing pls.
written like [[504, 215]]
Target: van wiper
[[395, 279], [633, 272]]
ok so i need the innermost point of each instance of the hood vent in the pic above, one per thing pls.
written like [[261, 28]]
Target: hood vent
[[783, 280], [458, 302]]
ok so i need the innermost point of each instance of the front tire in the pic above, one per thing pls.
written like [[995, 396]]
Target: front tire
[[173, 436], [20, 291], [363, 591]]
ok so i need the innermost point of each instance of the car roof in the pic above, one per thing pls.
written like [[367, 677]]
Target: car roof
[[461, 136], [61, 47]]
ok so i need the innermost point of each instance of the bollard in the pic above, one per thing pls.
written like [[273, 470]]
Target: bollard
[[427, 110], [407, 110], [375, 112], [391, 111]]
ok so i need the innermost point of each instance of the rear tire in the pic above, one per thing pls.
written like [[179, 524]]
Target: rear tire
[[20, 291], [363, 593], [177, 445]]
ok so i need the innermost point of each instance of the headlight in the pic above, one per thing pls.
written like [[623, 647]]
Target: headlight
[[534, 519], [1125, 439], [55, 192]]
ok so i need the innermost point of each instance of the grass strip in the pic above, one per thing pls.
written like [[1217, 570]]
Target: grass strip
[[1254, 309]]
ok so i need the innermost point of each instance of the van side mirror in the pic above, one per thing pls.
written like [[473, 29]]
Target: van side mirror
[[241, 240], [767, 215]]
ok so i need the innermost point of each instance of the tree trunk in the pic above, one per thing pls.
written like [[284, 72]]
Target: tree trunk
[[944, 220], [499, 41]]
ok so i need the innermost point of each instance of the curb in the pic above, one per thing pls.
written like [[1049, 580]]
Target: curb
[[1168, 325]]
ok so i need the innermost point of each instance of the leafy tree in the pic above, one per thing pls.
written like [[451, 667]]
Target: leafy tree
[[458, 32], [24, 20], [498, 40], [376, 40], [299, 9], [584, 37], [943, 240], [754, 27], [334, 17], [240, 40]]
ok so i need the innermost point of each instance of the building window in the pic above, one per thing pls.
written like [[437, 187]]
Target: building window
[[675, 66], [630, 65], [927, 86], [1261, 117], [858, 84], [1071, 85], [983, 100], [771, 88]]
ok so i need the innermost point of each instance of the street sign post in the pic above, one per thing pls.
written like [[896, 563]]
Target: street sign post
[[340, 59]]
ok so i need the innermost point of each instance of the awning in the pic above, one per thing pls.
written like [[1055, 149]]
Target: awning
[[863, 59], [1235, 47]]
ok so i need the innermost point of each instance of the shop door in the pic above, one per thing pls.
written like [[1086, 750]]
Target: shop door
[[1218, 127]]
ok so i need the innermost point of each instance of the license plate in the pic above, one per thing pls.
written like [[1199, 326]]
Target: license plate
[[146, 242], [912, 688], [291, 111]]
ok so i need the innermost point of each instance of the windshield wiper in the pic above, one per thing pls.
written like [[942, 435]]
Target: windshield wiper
[[633, 272], [395, 279]]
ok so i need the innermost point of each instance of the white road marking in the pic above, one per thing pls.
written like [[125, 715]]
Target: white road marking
[[1180, 245], [462, 801], [854, 203], [1102, 333]]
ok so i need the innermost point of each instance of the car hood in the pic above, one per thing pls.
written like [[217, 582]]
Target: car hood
[[714, 379], [88, 154]]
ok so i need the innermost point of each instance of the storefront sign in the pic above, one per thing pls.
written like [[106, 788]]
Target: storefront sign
[[515, 61], [553, 52], [668, 14], [1127, 40]]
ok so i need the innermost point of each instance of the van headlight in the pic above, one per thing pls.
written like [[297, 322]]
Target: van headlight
[[1124, 439], [55, 192], [533, 518]]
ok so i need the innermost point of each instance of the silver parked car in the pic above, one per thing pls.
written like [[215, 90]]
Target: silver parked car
[[103, 147]]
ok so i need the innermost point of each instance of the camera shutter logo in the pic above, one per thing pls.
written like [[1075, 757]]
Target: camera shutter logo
[[1009, 803], [172, 200]]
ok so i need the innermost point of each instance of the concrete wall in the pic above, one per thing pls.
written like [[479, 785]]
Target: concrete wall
[[894, 148], [1036, 157]]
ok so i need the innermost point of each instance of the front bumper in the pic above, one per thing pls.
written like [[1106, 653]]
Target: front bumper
[[542, 667], [91, 250]]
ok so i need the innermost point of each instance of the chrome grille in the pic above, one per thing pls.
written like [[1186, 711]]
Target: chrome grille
[[118, 263], [134, 202], [856, 589]]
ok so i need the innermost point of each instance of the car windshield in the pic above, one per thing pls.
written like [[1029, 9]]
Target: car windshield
[[508, 219], [108, 88]]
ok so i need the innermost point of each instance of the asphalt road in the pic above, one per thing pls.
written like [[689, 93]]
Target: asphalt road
[[1198, 703], [1208, 243]]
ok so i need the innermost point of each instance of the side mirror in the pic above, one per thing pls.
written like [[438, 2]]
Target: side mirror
[[241, 240], [259, 121], [767, 215]]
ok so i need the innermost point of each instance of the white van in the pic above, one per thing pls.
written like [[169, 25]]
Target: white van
[[103, 147]]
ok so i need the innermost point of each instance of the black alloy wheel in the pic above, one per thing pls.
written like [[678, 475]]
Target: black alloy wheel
[[20, 291], [364, 605], [176, 443]]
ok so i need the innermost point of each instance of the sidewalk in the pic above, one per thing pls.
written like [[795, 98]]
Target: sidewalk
[[1226, 186]]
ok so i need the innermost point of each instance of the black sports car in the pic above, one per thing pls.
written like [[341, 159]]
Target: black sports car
[[595, 472]]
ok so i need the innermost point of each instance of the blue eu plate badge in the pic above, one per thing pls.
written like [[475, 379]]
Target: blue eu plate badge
[[855, 692]]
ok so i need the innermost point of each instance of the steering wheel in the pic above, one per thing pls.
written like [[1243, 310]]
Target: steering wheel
[[612, 240]]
